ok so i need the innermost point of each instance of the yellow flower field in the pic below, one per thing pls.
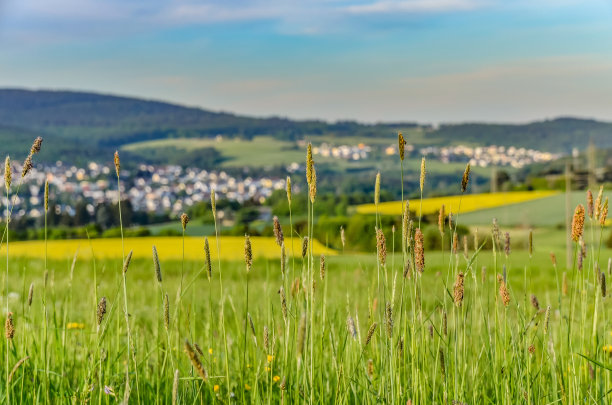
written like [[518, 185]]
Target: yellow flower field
[[168, 248], [469, 202]]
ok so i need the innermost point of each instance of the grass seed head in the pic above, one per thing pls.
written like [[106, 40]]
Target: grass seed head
[[301, 336], [604, 213], [175, 385], [419, 251], [207, 257], [381, 246], [322, 267], [101, 311], [590, 205], [401, 145], [283, 259], [27, 166], [9, 327], [166, 312], [565, 287], [342, 237], [546, 319], [36, 145], [248, 253], [503, 291], [283, 300], [458, 289], [195, 361], [578, 223], [530, 243], [350, 327], [213, 203], [370, 333], [156, 265], [507, 244], [423, 172], [441, 219], [278, 231], [598, 203], [184, 221], [465, 179], [46, 196], [304, 247], [30, 294], [389, 320], [126, 263], [534, 302], [288, 188], [377, 189], [8, 174], [602, 281], [117, 162]]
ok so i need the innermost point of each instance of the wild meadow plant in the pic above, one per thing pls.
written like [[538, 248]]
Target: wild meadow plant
[[464, 325]]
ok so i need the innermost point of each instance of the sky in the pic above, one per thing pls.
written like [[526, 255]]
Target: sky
[[431, 61]]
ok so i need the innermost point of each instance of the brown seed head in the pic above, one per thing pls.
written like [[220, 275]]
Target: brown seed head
[[602, 282], [304, 246], [590, 205], [578, 223], [195, 361], [530, 246], [101, 311], [465, 179], [117, 163], [9, 328], [266, 339], [444, 323], [458, 289], [496, 234], [598, 203], [283, 259], [381, 246], [389, 320], [534, 302], [288, 185], [27, 166], [442, 364], [419, 251], [507, 244], [248, 253], [565, 287], [278, 231], [503, 291], [283, 299], [36, 145], [401, 145], [309, 164], [184, 221], [553, 258], [455, 243], [604, 213]]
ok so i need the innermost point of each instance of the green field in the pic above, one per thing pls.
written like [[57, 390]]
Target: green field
[[545, 212]]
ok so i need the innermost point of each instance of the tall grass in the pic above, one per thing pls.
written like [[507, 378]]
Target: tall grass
[[347, 328]]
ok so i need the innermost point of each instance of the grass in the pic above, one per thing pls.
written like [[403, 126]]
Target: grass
[[484, 326], [469, 203]]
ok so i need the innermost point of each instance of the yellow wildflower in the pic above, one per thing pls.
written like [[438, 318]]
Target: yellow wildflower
[[216, 388], [210, 351], [270, 358], [75, 325], [276, 378], [247, 387]]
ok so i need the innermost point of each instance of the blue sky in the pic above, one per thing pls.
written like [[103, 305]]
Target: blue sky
[[370, 60]]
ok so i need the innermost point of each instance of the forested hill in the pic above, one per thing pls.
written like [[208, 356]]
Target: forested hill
[[84, 126]]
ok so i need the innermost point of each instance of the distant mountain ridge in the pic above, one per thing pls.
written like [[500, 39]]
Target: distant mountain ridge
[[86, 126]]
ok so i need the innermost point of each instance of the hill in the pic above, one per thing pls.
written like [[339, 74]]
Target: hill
[[82, 126]]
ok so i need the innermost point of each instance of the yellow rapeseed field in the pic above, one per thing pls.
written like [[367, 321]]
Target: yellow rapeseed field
[[168, 248], [469, 202]]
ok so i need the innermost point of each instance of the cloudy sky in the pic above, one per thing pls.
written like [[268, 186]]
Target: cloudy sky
[[370, 60]]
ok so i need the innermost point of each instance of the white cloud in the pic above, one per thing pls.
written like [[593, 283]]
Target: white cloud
[[414, 6]]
